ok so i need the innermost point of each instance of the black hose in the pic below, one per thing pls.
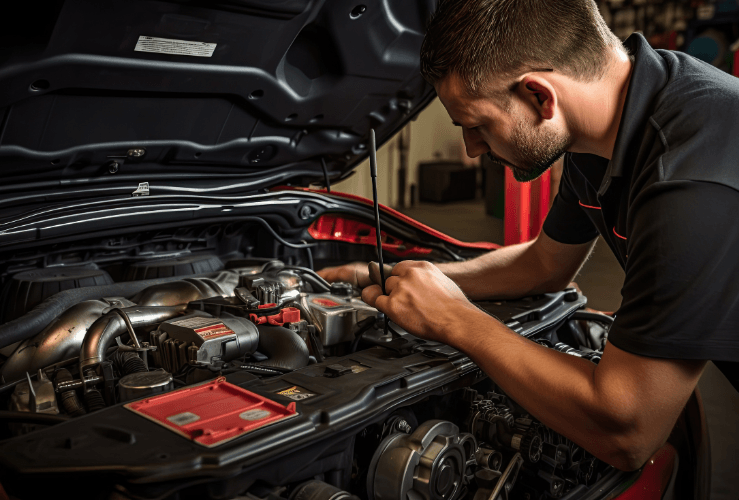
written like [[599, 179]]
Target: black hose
[[284, 348], [69, 399], [325, 175], [310, 258], [132, 363], [32, 418], [94, 400], [40, 316], [276, 236], [363, 325]]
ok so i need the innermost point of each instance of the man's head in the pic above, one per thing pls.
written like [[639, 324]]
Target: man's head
[[495, 65]]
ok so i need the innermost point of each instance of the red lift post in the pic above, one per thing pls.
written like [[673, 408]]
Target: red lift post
[[526, 207]]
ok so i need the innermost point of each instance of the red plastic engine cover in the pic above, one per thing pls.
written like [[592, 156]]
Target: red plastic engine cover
[[213, 413]]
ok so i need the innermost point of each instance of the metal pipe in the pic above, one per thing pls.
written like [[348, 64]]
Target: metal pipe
[[63, 338], [59, 341], [111, 326]]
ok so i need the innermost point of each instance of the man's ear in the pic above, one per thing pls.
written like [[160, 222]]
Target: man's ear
[[540, 94]]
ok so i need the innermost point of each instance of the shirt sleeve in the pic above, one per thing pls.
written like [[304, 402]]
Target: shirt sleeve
[[681, 291], [567, 222]]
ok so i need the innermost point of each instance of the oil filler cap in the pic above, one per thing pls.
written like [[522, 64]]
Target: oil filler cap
[[342, 289]]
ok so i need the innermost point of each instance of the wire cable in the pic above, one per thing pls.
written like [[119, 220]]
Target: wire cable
[[310, 258], [325, 175], [279, 238]]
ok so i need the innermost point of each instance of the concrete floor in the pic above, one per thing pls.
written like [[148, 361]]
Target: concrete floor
[[601, 279]]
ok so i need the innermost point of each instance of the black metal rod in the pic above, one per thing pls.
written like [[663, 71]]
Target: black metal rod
[[378, 234], [373, 173]]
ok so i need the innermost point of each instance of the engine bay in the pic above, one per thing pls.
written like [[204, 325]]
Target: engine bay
[[261, 380]]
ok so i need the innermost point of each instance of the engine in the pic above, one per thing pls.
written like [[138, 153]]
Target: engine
[[333, 407]]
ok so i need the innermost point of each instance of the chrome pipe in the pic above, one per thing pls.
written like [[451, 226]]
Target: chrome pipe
[[59, 341], [105, 330]]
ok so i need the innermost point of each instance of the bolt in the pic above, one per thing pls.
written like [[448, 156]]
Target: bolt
[[403, 426], [136, 152], [113, 167], [305, 212]]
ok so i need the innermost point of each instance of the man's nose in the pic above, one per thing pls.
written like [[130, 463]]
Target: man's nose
[[474, 144]]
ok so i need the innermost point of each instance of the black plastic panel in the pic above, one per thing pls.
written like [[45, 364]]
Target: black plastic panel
[[289, 82], [129, 448]]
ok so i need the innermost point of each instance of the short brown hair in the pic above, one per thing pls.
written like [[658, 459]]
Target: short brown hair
[[479, 38]]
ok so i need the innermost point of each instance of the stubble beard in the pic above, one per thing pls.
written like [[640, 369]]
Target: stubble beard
[[536, 149]]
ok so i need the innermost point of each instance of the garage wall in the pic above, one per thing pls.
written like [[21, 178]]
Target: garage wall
[[432, 135]]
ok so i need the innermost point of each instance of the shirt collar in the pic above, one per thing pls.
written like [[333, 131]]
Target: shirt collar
[[649, 75]]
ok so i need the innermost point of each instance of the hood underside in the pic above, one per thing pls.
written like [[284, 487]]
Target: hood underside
[[193, 89]]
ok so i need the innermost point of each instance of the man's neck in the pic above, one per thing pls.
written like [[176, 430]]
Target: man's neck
[[594, 109]]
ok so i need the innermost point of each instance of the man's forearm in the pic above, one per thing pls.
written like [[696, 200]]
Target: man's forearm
[[501, 274], [563, 392], [515, 271]]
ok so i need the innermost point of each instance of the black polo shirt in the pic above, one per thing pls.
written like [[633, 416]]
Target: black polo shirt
[[667, 204]]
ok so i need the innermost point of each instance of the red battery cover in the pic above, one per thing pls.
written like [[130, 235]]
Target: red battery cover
[[214, 413]]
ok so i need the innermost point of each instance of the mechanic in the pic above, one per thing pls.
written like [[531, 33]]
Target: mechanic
[[651, 163]]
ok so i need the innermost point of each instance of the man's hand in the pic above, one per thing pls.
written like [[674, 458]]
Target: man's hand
[[355, 273], [421, 299]]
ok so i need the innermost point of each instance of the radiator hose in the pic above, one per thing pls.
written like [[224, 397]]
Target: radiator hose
[[284, 347], [69, 399]]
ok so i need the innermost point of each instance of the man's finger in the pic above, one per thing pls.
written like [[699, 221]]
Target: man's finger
[[391, 283], [373, 269], [370, 294], [401, 268], [373, 296], [363, 278]]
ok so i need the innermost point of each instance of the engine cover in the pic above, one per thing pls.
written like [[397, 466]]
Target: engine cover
[[201, 339]]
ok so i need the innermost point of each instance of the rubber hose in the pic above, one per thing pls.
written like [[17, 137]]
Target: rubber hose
[[40, 316], [70, 401], [94, 400], [284, 348], [132, 363]]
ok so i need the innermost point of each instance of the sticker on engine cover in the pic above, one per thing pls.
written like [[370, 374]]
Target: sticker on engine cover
[[296, 393], [253, 415], [174, 47], [326, 302], [207, 328], [184, 418]]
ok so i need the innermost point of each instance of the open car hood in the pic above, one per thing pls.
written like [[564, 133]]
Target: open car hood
[[277, 90]]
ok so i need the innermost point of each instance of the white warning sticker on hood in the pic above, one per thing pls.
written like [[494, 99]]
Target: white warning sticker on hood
[[174, 47]]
